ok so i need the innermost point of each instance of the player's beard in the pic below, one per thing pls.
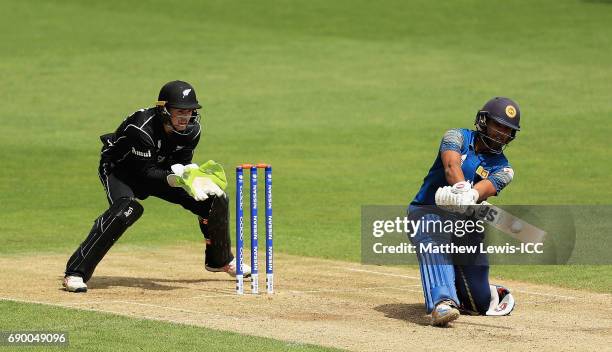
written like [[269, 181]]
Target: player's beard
[[493, 145]]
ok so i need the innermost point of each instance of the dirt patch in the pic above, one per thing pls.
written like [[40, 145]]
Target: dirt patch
[[329, 303]]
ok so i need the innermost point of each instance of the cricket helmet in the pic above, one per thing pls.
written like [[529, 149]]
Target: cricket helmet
[[503, 111], [179, 95]]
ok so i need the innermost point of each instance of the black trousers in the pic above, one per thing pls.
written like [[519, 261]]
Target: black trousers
[[121, 193]]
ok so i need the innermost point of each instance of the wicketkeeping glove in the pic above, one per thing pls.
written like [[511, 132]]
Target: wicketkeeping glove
[[199, 182]]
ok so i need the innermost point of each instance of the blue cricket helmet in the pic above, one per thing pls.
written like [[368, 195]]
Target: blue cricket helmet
[[503, 110]]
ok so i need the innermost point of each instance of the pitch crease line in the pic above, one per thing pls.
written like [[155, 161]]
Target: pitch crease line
[[381, 273]]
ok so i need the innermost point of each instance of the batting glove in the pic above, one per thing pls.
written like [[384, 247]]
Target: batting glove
[[468, 195], [457, 198]]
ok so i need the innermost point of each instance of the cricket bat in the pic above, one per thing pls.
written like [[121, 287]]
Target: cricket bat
[[508, 223]]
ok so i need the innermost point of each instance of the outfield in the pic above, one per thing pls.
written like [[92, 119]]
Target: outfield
[[347, 99]]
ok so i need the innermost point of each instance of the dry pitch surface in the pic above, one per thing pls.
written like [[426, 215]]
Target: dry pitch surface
[[329, 303]]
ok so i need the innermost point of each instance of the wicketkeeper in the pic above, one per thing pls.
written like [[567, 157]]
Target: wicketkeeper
[[470, 167], [150, 155]]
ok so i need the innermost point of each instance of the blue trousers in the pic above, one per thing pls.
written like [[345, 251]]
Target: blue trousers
[[461, 278]]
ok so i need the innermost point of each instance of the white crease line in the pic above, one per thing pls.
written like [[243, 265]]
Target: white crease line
[[401, 288], [543, 294], [331, 290], [171, 308], [381, 273], [227, 295]]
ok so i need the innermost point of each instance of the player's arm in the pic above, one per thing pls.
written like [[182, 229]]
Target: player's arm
[[461, 192], [450, 153], [141, 157], [452, 166], [494, 184], [185, 155], [485, 190]]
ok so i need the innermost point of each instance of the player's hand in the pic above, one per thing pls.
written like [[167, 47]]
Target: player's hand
[[446, 199], [457, 198], [175, 179], [199, 182], [468, 195], [203, 187]]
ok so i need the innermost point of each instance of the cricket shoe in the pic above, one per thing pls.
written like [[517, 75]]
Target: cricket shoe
[[502, 301], [74, 284], [444, 313], [231, 269]]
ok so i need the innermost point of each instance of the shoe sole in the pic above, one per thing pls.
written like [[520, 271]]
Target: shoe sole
[[443, 321], [220, 270], [76, 290]]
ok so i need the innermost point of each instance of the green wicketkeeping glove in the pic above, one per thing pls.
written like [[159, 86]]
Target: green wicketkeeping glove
[[216, 173], [199, 182]]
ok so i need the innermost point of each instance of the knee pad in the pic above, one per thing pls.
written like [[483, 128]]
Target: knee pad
[[217, 233], [105, 232], [126, 210]]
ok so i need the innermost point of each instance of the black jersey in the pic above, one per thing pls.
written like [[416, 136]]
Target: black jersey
[[140, 150]]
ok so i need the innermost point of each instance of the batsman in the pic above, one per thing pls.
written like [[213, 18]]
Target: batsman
[[469, 168], [150, 154]]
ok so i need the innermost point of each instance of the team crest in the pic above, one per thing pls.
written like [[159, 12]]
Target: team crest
[[187, 91], [511, 111], [480, 171]]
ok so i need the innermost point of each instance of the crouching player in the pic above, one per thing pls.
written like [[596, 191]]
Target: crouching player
[[150, 155], [469, 168]]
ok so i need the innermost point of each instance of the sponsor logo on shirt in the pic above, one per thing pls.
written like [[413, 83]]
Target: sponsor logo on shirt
[[146, 154]]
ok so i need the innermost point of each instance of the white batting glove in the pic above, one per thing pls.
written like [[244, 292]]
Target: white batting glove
[[446, 199], [457, 198], [444, 195], [469, 196]]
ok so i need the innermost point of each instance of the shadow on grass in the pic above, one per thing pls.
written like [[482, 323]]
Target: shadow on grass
[[154, 284]]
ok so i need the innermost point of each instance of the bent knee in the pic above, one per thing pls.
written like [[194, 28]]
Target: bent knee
[[127, 209]]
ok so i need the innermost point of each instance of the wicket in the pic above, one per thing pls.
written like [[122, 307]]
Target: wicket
[[253, 168]]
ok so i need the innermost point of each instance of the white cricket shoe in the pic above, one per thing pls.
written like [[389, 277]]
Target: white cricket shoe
[[444, 313], [231, 269], [74, 284]]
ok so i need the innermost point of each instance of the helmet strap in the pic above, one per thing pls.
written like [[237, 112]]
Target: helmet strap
[[481, 127], [167, 119]]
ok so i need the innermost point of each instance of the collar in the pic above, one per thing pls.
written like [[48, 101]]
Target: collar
[[473, 140]]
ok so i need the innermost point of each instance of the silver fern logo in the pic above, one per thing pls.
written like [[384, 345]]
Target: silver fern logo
[[186, 92]]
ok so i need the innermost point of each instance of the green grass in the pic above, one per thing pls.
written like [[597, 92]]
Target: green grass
[[347, 99], [95, 331], [585, 277]]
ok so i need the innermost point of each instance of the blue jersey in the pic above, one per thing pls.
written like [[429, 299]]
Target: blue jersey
[[475, 167]]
